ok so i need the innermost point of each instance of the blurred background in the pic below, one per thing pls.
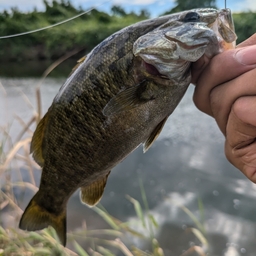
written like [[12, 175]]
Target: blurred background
[[180, 198]]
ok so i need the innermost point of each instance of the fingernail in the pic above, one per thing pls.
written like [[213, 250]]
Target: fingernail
[[246, 55]]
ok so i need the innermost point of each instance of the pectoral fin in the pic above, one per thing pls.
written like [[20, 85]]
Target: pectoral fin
[[131, 98], [92, 194], [125, 100], [153, 136]]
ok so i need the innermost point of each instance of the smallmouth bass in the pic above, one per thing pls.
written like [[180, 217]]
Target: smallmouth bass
[[117, 98]]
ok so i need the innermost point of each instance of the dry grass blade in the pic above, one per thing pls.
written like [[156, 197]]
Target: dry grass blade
[[39, 104], [79, 249], [105, 251], [94, 253], [12, 153], [138, 209], [71, 252], [119, 244], [138, 252], [108, 232], [34, 188], [58, 62], [29, 163], [196, 249], [12, 203], [25, 126], [199, 235], [109, 219], [157, 250], [3, 204], [26, 99], [3, 89], [191, 216]]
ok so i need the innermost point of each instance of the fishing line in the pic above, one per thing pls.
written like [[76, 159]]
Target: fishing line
[[56, 24]]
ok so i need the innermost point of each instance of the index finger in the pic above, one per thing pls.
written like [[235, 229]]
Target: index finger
[[250, 41], [240, 147], [222, 68]]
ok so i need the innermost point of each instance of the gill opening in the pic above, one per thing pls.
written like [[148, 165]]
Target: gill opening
[[56, 24]]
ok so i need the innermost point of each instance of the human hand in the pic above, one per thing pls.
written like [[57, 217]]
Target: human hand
[[226, 90]]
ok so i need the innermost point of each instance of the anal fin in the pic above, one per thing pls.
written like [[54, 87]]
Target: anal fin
[[153, 136], [92, 194]]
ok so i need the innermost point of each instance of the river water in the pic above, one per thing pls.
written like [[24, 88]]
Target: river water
[[185, 164]]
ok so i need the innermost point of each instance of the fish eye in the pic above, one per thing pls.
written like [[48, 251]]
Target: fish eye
[[192, 17]]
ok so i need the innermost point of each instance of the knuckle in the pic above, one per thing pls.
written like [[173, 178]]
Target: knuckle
[[216, 104], [240, 107], [243, 159]]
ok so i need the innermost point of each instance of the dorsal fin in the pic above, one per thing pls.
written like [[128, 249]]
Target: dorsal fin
[[79, 62], [92, 194], [153, 136], [37, 140]]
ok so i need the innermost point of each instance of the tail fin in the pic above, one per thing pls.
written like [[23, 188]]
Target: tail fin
[[36, 217]]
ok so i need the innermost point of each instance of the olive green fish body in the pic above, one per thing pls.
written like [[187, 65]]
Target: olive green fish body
[[119, 97]]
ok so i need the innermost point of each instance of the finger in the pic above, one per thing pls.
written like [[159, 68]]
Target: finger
[[223, 67], [225, 95], [240, 144], [198, 67], [250, 41]]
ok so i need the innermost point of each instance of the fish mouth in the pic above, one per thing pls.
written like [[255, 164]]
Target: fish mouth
[[153, 71], [168, 51]]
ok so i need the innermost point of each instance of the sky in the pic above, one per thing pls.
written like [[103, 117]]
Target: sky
[[155, 7]]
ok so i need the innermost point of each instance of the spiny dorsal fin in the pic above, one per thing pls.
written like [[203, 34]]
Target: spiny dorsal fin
[[153, 136], [92, 194], [36, 217], [79, 62], [37, 140]]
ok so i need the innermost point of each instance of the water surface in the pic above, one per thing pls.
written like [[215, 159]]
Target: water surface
[[185, 164]]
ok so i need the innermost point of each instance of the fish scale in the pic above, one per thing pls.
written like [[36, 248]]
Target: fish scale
[[117, 98]]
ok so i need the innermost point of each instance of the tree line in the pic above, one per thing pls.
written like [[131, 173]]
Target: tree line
[[84, 32]]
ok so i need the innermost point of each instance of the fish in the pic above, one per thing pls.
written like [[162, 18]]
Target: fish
[[118, 97]]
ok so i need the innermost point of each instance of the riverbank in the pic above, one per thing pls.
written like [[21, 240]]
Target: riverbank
[[81, 34]]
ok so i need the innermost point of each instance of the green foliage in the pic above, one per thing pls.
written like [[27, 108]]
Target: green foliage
[[245, 25], [118, 11], [83, 33], [181, 5]]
